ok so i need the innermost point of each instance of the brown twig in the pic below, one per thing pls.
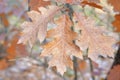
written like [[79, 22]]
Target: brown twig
[[75, 67], [91, 69]]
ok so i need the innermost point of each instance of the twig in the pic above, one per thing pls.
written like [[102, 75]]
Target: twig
[[91, 69], [28, 5], [75, 67]]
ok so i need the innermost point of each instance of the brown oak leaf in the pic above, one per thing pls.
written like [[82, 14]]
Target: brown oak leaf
[[62, 46], [67, 1], [115, 4], [37, 28], [3, 64], [116, 23], [15, 50], [34, 4], [93, 3], [114, 73], [4, 19], [94, 38]]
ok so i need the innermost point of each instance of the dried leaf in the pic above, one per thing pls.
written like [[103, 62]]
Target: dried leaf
[[4, 19], [67, 1], [34, 4], [114, 73], [15, 50], [37, 28], [84, 65], [62, 46], [11, 52], [116, 23], [93, 3], [116, 4], [94, 38], [3, 64]]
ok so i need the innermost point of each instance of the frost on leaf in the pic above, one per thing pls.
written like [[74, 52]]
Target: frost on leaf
[[62, 46], [94, 38], [37, 28]]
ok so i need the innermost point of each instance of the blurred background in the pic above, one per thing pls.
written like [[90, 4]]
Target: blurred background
[[18, 62]]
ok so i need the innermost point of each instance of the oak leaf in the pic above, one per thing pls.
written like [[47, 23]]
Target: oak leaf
[[67, 1], [3, 64], [15, 50], [94, 38], [115, 4], [34, 4], [116, 23], [114, 73], [62, 46], [4, 19], [37, 28], [93, 3]]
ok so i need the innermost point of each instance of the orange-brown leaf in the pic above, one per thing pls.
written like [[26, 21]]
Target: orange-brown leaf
[[116, 23], [91, 3], [114, 73], [3, 64], [115, 4], [34, 4], [4, 19], [15, 50]]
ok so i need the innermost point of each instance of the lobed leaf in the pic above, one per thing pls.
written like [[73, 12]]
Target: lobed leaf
[[62, 46], [98, 40], [37, 28]]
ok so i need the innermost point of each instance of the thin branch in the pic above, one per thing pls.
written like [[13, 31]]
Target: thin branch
[[28, 5], [91, 69], [75, 67]]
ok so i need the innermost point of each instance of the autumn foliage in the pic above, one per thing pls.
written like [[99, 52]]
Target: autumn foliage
[[95, 39], [71, 34]]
